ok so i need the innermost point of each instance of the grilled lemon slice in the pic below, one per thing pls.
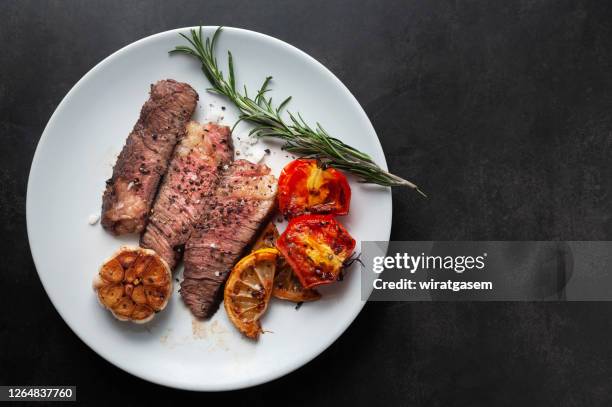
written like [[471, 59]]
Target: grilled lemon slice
[[288, 287], [134, 284], [248, 290]]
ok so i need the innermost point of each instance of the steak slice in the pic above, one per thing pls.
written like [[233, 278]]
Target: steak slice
[[187, 188], [243, 202], [130, 191]]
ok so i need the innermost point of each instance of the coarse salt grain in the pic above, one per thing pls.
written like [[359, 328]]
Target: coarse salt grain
[[214, 114], [93, 219]]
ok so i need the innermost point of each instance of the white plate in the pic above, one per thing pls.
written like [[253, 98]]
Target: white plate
[[75, 156]]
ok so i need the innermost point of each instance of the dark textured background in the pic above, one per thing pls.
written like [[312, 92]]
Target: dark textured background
[[501, 110]]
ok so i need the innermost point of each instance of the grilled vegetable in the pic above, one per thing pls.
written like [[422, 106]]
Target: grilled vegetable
[[286, 284], [316, 246], [134, 284], [267, 238], [305, 186]]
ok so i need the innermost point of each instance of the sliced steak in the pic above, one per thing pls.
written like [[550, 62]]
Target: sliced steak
[[187, 188], [144, 159], [243, 202]]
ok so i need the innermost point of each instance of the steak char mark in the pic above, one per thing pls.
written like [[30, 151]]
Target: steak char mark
[[187, 188], [243, 203], [144, 159]]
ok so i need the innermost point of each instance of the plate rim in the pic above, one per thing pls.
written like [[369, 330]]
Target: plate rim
[[44, 138]]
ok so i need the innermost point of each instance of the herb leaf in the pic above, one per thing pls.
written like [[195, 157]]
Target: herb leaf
[[299, 137]]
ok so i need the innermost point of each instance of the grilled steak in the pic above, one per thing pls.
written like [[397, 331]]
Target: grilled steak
[[130, 191], [187, 188], [243, 202]]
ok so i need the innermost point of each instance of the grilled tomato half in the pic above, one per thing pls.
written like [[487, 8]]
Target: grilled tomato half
[[286, 284], [305, 187], [248, 290], [134, 284], [315, 246]]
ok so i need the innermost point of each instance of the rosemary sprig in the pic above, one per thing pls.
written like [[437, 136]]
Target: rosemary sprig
[[299, 137]]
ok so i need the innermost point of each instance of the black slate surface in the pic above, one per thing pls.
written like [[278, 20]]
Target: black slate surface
[[500, 110]]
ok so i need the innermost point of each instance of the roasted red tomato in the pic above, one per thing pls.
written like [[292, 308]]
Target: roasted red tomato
[[304, 187], [315, 246]]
